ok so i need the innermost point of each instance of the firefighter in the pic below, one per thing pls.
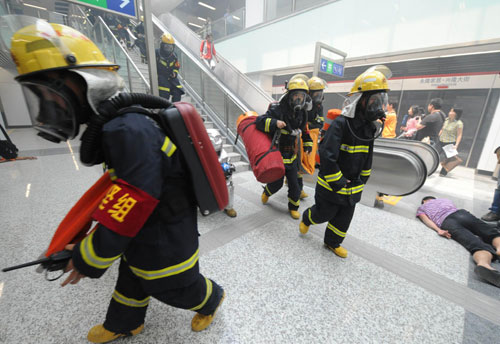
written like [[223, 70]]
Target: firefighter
[[315, 121], [346, 158], [140, 42], [168, 68], [287, 120], [148, 219]]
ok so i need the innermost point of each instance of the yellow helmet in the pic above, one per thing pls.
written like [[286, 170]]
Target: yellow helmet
[[297, 84], [316, 84], [299, 76], [167, 38], [46, 46], [370, 80]]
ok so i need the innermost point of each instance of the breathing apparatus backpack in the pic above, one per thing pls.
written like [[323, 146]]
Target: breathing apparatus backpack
[[183, 125]]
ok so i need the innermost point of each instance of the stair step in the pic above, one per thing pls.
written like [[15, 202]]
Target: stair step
[[234, 157], [209, 125], [241, 166], [228, 148]]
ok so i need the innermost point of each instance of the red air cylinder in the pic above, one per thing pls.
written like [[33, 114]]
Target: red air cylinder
[[266, 161]]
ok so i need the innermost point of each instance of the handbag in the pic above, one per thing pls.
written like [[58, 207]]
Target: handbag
[[8, 150]]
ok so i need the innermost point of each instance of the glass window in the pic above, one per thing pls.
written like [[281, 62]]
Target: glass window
[[278, 8]]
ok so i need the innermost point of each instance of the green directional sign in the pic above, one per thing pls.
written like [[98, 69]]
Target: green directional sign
[[121, 7], [329, 67], [98, 3]]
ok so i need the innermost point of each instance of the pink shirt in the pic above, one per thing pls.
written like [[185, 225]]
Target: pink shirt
[[411, 126]]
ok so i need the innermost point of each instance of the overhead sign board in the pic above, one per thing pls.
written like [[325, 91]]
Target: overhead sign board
[[330, 67], [121, 7], [326, 64]]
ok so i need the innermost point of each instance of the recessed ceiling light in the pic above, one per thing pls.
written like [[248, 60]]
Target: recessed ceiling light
[[205, 5], [237, 18], [195, 25], [203, 19]]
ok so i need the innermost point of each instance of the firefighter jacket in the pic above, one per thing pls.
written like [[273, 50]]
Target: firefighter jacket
[[163, 252], [167, 67], [288, 141], [315, 117], [344, 157]]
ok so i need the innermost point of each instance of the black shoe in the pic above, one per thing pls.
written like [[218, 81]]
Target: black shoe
[[491, 276], [443, 172], [491, 216]]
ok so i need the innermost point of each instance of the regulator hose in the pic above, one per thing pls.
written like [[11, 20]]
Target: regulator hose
[[90, 149]]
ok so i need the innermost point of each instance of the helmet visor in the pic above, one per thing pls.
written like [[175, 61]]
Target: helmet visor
[[317, 96], [376, 105], [52, 113]]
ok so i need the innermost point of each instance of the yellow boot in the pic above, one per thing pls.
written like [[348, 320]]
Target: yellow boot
[[264, 198], [295, 214], [98, 334], [303, 228], [230, 212], [303, 195], [201, 322], [339, 251]]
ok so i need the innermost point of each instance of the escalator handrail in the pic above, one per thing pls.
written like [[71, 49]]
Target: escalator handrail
[[266, 99], [202, 66], [420, 145], [402, 151]]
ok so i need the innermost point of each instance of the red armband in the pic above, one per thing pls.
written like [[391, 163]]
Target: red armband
[[125, 208]]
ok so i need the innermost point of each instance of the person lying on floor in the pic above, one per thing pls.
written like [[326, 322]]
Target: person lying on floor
[[479, 238]]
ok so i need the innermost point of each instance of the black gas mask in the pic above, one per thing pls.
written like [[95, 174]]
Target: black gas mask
[[297, 99], [375, 105], [166, 49]]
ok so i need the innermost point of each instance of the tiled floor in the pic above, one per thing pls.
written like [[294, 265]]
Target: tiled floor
[[400, 284]]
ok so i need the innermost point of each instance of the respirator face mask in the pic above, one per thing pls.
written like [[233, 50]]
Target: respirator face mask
[[297, 99], [376, 105]]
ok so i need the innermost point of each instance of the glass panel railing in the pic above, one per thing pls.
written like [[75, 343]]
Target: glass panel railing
[[221, 105], [238, 85]]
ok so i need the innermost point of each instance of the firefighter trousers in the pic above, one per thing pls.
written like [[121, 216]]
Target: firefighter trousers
[[338, 216], [291, 174], [170, 87], [129, 303]]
